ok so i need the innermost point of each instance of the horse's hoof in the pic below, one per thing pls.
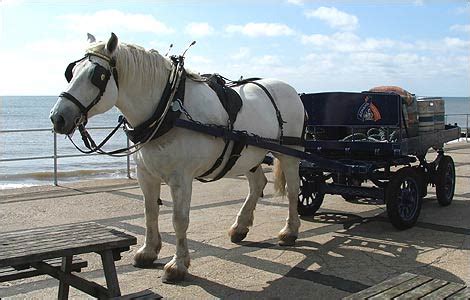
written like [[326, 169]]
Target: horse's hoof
[[287, 240], [237, 237], [144, 259], [172, 274]]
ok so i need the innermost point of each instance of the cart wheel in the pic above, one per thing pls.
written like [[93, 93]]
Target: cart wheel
[[403, 198], [445, 180], [310, 199]]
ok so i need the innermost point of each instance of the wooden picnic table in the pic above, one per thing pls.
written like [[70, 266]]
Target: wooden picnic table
[[34, 248], [412, 286]]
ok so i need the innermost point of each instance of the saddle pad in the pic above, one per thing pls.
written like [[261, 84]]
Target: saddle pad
[[230, 99]]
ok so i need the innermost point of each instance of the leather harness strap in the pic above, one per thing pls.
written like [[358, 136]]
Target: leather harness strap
[[238, 146]]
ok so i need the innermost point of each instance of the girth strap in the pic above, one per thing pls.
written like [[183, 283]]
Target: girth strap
[[234, 156], [239, 145]]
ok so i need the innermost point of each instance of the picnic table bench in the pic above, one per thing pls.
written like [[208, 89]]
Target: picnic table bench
[[35, 252], [412, 286]]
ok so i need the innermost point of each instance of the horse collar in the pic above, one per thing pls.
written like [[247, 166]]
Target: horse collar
[[163, 118]]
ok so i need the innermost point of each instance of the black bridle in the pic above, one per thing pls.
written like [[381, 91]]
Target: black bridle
[[99, 78]]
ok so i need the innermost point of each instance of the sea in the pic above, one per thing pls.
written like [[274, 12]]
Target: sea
[[32, 112]]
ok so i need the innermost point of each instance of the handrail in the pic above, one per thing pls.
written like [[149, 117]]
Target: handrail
[[56, 157]]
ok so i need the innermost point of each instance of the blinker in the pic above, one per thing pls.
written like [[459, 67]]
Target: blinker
[[68, 72], [100, 76]]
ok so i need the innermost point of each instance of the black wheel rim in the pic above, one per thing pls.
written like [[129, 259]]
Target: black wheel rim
[[408, 198], [307, 193], [449, 181]]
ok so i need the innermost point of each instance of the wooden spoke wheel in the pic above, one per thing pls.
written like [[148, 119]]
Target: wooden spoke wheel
[[310, 199], [403, 198], [445, 180]]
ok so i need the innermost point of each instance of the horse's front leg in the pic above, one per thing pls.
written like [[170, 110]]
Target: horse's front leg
[[177, 268], [150, 186]]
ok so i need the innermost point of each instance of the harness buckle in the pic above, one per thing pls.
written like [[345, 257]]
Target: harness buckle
[[177, 105]]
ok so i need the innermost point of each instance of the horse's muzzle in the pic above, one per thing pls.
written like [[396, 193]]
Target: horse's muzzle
[[61, 124]]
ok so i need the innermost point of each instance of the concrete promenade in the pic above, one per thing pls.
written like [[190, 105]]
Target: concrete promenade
[[345, 248]]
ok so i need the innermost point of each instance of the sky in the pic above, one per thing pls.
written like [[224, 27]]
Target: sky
[[316, 46]]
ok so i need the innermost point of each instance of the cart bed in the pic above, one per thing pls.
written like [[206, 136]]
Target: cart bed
[[333, 116]]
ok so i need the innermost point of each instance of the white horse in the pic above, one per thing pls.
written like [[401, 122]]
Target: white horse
[[180, 155]]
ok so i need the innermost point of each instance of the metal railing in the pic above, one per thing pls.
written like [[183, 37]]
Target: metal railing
[[55, 156], [466, 128]]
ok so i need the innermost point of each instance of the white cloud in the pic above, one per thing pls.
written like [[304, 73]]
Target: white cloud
[[45, 76], [296, 2], [199, 29], [461, 28], [347, 42], [105, 21], [418, 2], [261, 29], [456, 43], [268, 60], [334, 18], [10, 2], [242, 53], [198, 59], [463, 10]]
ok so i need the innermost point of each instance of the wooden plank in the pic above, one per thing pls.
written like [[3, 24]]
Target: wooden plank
[[9, 274], [445, 291], [85, 240], [39, 238], [402, 288], [89, 287], [9, 242], [145, 294], [23, 247], [423, 289], [462, 294], [383, 286], [66, 267]]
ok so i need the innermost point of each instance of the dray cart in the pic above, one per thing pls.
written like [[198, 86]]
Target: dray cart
[[368, 132]]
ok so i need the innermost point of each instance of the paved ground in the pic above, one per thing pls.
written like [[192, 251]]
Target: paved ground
[[345, 248]]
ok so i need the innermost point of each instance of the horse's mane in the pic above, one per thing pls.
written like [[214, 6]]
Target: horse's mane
[[136, 64]]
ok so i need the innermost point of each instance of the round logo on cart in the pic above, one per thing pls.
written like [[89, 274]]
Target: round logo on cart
[[368, 111]]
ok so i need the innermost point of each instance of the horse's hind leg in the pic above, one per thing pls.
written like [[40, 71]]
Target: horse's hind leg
[[181, 188], [150, 186], [257, 181], [290, 168]]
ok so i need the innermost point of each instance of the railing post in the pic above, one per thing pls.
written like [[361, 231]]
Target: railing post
[[55, 159], [466, 131], [128, 157]]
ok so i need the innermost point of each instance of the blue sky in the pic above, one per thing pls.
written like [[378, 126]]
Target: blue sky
[[423, 46]]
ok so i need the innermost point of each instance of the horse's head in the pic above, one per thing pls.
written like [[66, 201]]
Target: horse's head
[[92, 88]]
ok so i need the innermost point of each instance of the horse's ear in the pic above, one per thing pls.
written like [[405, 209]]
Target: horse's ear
[[91, 38], [112, 43]]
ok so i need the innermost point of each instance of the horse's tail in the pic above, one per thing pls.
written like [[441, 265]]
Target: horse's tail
[[279, 178]]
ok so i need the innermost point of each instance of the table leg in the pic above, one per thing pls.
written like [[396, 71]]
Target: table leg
[[110, 273], [66, 267]]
